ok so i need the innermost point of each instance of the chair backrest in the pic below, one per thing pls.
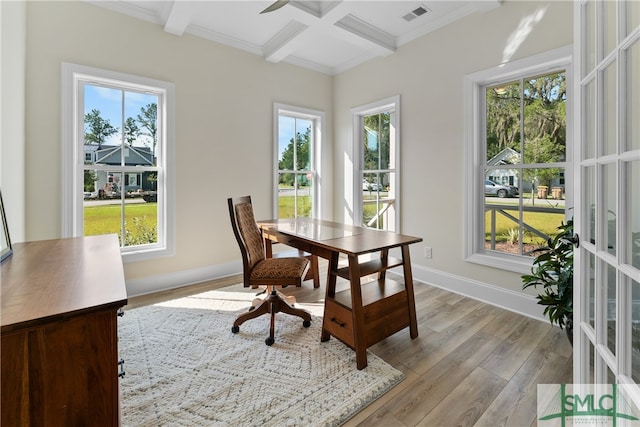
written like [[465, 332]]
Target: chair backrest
[[247, 233]]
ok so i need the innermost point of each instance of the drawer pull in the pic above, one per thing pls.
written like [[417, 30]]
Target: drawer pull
[[338, 322], [121, 364], [120, 312]]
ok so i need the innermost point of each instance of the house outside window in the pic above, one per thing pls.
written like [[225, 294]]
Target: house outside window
[[298, 135], [518, 144], [377, 168], [117, 154]]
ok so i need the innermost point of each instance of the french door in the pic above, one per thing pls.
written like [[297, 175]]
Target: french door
[[607, 176]]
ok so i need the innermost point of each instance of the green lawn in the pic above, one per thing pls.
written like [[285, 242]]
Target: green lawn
[[547, 223], [141, 220]]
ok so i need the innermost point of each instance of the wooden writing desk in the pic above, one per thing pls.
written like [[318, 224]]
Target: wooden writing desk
[[367, 312], [59, 332]]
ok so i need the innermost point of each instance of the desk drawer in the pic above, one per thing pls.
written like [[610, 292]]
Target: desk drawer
[[338, 321]]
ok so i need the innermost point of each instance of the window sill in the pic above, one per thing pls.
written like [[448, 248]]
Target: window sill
[[513, 263], [146, 254]]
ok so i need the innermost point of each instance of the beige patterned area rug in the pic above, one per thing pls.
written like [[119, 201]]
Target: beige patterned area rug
[[184, 367]]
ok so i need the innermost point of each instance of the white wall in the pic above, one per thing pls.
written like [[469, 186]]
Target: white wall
[[428, 75], [13, 17], [224, 103], [224, 100]]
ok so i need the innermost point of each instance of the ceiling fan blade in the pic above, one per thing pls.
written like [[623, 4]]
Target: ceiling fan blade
[[275, 6]]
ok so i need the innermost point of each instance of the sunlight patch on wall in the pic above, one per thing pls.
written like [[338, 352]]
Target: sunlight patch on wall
[[521, 33]]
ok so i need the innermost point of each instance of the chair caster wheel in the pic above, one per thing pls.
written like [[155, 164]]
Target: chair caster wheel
[[269, 341], [306, 323], [235, 329]]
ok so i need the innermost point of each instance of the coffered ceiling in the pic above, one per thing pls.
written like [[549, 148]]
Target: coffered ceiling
[[326, 36]]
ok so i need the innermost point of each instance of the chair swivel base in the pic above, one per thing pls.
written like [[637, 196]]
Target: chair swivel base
[[271, 305]]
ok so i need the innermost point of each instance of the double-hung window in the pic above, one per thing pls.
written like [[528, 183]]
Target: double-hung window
[[377, 164], [298, 136], [117, 157], [517, 188]]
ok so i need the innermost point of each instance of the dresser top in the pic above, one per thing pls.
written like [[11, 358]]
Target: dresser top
[[52, 279]]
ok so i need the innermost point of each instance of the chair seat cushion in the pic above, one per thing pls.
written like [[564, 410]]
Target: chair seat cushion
[[283, 271]]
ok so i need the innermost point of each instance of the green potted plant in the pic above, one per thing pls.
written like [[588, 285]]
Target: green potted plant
[[552, 271]]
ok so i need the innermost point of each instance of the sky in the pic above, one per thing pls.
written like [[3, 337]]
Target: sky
[[109, 102], [287, 129]]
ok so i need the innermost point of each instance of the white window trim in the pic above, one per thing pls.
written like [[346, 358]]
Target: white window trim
[[474, 151], [357, 113], [318, 119], [72, 207]]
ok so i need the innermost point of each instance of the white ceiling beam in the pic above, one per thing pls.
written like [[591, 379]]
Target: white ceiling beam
[[285, 42], [178, 18], [332, 19]]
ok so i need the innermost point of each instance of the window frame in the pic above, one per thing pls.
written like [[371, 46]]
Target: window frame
[[475, 150], [72, 115], [317, 117], [358, 113]]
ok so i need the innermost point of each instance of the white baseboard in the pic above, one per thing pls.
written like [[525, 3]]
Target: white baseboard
[[179, 279], [500, 297]]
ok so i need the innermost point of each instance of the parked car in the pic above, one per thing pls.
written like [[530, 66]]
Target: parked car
[[493, 189], [371, 186]]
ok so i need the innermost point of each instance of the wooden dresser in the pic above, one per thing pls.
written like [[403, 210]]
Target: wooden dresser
[[59, 304]]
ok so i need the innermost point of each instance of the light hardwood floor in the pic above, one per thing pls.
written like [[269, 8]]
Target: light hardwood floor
[[473, 364]]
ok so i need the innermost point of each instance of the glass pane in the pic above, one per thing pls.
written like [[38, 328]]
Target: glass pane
[[632, 97], [609, 109], [377, 141], [505, 230], [545, 119], [609, 178], [379, 208], [294, 143], [503, 123], [303, 144], [610, 286], [140, 129], [304, 201], [590, 202], [286, 133], [633, 213], [286, 195], [141, 221], [103, 123], [635, 330], [632, 15], [610, 26], [591, 277], [589, 106], [592, 365], [102, 208], [590, 37]]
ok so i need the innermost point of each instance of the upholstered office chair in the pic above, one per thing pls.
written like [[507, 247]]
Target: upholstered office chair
[[258, 270]]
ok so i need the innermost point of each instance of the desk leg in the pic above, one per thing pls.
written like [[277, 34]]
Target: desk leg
[[330, 291], [384, 258], [408, 285], [357, 312]]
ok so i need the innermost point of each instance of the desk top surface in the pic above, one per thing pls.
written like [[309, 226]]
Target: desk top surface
[[338, 237], [49, 279]]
